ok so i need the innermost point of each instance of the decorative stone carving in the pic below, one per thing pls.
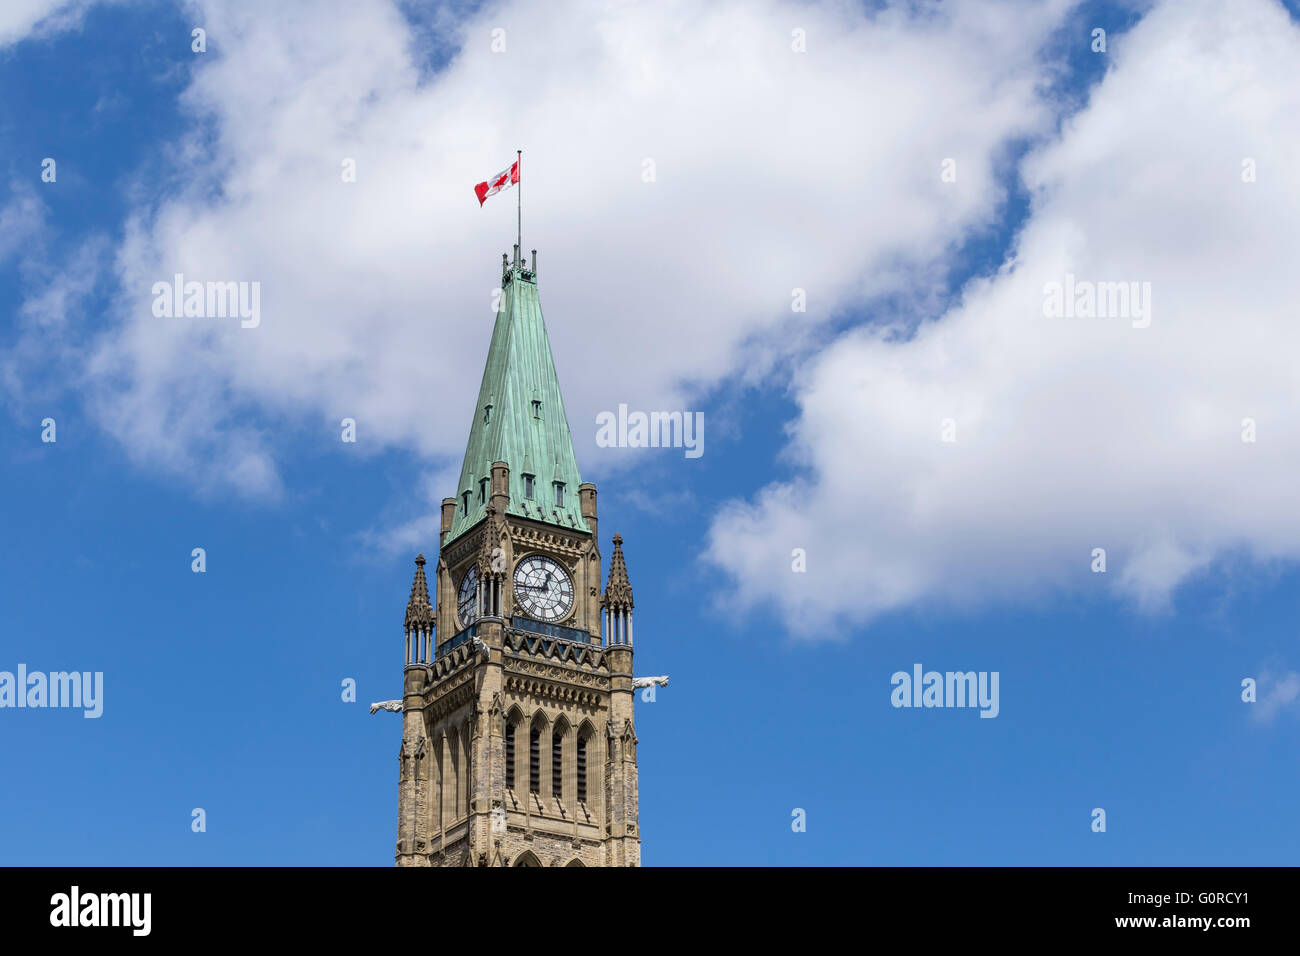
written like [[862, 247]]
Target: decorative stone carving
[[639, 682]]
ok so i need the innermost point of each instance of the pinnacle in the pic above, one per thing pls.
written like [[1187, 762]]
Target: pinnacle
[[419, 610], [618, 591], [487, 546]]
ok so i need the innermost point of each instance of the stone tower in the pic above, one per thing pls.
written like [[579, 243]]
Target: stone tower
[[518, 740]]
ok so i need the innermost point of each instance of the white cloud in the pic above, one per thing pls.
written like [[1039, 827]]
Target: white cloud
[[22, 18], [775, 170], [1276, 693], [22, 219], [51, 319], [1074, 434]]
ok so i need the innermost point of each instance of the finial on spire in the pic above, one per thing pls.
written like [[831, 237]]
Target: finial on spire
[[618, 592], [419, 610]]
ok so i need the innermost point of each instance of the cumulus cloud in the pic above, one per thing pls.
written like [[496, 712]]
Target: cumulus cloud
[[772, 170], [1073, 434]]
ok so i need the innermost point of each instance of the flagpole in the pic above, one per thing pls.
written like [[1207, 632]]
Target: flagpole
[[519, 159]]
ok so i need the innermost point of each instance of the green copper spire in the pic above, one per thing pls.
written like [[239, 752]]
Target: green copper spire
[[519, 419]]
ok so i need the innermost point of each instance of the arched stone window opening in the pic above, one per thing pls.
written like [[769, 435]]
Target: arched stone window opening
[[557, 767], [510, 754], [581, 769], [534, 760]]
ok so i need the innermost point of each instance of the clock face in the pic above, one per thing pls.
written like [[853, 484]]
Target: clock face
[[467, 596], [543, 589]]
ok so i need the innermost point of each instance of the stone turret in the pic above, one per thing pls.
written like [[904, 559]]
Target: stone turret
[[617, 603], [491, 574], [621, 775], [413, 754], [419, 618]]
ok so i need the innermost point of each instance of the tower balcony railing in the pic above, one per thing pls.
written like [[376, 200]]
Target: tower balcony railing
[[463, 636], [553, 630], [525, 626]]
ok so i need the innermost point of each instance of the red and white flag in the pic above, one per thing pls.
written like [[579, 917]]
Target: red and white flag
[[502, 180]]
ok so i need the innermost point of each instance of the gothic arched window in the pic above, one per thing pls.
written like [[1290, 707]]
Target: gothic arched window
[[557, 765], [510, 755], [534, 760], [582, 769]]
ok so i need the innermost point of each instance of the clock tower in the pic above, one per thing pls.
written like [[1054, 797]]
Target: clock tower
[[518, 741]]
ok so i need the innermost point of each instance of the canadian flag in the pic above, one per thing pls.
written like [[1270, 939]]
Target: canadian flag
[[502, 180]]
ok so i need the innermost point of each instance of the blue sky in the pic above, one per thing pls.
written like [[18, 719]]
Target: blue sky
[[222, 689]]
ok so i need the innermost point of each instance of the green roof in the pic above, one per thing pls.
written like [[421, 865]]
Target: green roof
[[526, 426]]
